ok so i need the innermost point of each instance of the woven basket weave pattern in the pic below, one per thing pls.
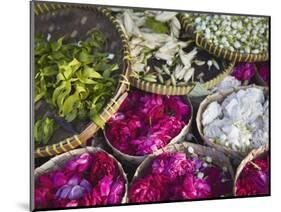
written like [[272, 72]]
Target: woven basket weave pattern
[[79, 140], [220, 52]]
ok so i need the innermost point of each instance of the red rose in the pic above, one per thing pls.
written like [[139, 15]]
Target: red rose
[[151, 188], [103, 165]]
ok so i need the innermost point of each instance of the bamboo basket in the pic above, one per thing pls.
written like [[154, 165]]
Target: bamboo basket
[[59, 161], [220, 96], [216, 50], [136, 160], [218, 157], [49, 14], [178, 90], [255, 153]]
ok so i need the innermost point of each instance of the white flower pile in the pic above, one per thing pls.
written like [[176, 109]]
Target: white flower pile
[[146, 44], [235, 33], [240, 122], [226, 83]]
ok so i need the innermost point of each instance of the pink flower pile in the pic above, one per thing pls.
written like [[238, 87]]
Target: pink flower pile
[[146, 122], [254, 179], [173, 176], [88, 180]]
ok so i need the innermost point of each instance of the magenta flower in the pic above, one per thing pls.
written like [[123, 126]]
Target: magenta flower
[[244, 71], [254, 179], [79, 164], [193, 188], [151, 188], [172, 165]]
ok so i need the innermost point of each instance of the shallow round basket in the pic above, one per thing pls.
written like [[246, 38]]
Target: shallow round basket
[[136, 160], [220, 96], [59, 20], [218, 157], [216, 50], [255, 153], [59, 161], [181, 89]]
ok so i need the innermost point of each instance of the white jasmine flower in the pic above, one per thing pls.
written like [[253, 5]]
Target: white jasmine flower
[[190, 150]]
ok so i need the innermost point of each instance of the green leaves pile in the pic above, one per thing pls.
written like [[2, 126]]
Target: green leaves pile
[[75, 78]]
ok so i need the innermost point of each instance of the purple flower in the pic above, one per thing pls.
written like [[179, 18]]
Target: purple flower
[[116, 191], [74, 189]]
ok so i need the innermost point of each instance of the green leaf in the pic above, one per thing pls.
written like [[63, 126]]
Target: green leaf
[[44, 130], [37, 133], [57, 45], [61, 92], [67, 70], [85, 57], [69, 103], [90, 72], [156, 26], [199, 90], [82, 91], [84, 79]]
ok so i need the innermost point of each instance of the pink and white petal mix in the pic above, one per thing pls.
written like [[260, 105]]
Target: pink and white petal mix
[[173, 176]]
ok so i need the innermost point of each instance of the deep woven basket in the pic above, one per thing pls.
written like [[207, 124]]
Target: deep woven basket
[[136, 160], [178, 90], [64, 19], [218, 157], [59, 161], [220, 96], [255, 153], [216, 50]]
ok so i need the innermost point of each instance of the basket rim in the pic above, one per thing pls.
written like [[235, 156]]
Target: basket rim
[[113, 104], [140, 158], [213, 49], [75, 152], [181, 89], [255, 153], [207, 100]]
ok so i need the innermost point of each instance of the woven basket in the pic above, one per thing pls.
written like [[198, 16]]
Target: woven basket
[[178, 90], [216, 50], [59, 161], [218, 157], [136, 160], [220, 96], [62, 19], [255, 153]]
